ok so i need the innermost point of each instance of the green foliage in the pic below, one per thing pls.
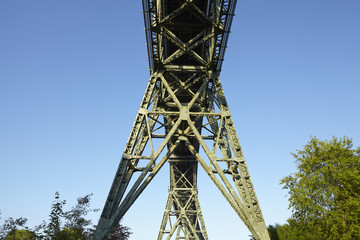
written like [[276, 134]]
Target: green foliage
[[324, 194], [54, 226], [10, 225], [17, 234], [75, 218], [63, 225], [293, 230], [75, 226], [120, 232], [70, 234], [273, 232]]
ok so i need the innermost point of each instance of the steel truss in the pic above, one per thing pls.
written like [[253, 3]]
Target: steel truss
[[184, 110]]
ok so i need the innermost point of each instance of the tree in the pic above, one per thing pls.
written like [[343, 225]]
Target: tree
[[20, 234], [293, 230], [54, 226], [69, 225], [273, 231], [75, 218], [63, 225], [119, 232], [324, 194], [10, 226]]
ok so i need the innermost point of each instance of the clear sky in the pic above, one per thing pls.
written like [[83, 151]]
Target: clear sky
[[73, 72]]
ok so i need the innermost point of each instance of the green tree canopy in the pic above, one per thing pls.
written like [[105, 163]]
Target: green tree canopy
[[20, 234], [11, 226], [63, 225], [324, 194]]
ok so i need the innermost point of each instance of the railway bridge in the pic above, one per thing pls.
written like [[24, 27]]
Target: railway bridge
[[183, 110]]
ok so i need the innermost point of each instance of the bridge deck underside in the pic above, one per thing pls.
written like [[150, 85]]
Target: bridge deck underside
[[177, 24]]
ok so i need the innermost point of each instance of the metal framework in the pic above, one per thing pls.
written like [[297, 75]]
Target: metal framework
[[184, 110]]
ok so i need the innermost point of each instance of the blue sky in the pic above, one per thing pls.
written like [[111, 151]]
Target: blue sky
[[72, 75]]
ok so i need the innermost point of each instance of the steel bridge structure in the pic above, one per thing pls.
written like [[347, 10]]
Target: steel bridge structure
[[183, 111]]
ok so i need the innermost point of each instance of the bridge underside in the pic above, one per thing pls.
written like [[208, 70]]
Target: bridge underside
[[184, 110]]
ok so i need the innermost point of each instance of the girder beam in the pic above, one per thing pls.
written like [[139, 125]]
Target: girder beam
[[184, 110]]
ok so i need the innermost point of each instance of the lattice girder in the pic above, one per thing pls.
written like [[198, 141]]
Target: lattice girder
[[184, 110], [179, 110], [182, 217], [198, 29]]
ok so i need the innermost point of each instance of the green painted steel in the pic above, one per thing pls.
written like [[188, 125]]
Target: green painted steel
[[184, 110]]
